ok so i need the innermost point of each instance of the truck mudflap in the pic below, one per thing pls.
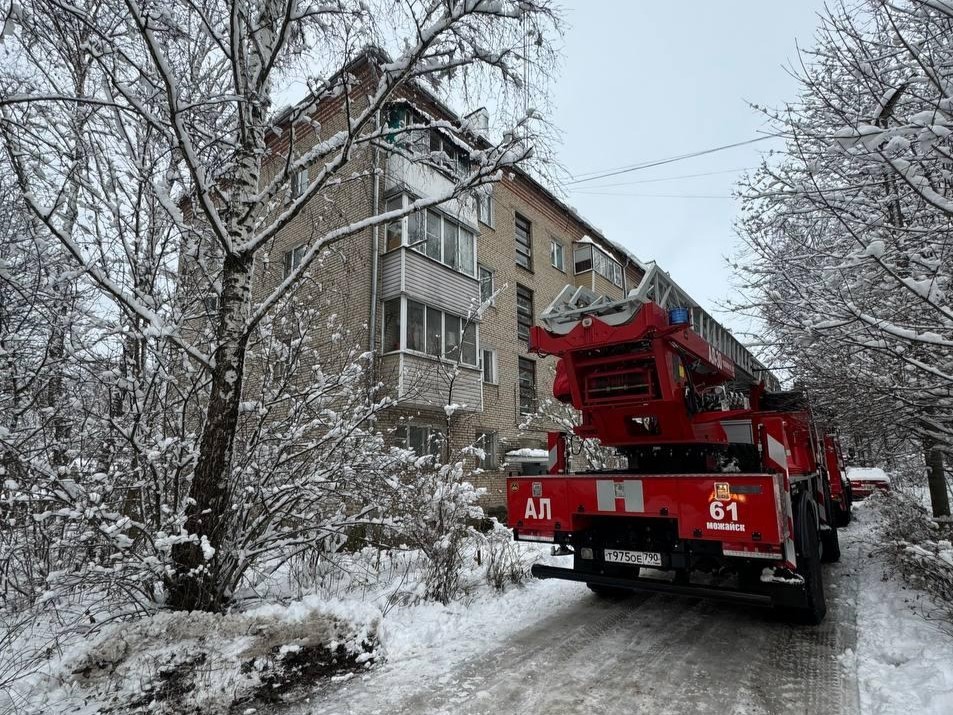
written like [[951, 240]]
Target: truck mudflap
[[778, 592], [745, 512]]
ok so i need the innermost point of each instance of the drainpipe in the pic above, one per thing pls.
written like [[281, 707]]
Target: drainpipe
[[375, 252]]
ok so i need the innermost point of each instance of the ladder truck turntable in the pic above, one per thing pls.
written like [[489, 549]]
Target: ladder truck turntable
[[726, 481]]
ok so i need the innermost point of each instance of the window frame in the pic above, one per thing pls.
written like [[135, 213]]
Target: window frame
[[491, 363], [492, 282], [485, 198], [426, 434], [289, 262], [399, 223], [427, 240], [297, 185], [523, 390], [385, 324], [491, 450], [427, 335], [524, 249], [554, 244], [522, 292]]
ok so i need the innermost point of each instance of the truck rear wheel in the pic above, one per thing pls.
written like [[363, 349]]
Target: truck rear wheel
[[830, 551], [842, 514], [807, 544]]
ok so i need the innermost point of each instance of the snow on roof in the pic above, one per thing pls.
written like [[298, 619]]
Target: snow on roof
[[870, 474]]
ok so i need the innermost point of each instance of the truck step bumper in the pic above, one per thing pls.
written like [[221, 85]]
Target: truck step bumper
[[645, 584]]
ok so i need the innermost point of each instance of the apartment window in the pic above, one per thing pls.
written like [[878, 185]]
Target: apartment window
[[484, 206], [422, 440], [451, 246], [489, 366], [391, 325], [395, 229], [434, 235], [434, 332], [524, 243], [416, 326], [292, 258], [451, 336], [430, 331], [557, 254], [524, 312], [582, 259], [486, 284], [299, 183], [527, 386], [469, 346], [489, 442], [448, 154], [434, 232]]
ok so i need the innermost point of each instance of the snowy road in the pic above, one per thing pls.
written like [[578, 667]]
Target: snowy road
[[648, 653]]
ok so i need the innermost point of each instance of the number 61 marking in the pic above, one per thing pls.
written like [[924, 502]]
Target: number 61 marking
[[718, 510]]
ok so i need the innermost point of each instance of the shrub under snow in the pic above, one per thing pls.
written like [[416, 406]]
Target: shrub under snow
[[200, 662], [919, 545]]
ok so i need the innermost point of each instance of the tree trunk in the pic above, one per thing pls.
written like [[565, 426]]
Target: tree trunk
[[939, 496], [196, 584]]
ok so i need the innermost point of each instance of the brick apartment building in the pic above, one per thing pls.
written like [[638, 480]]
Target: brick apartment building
[[406, 290]]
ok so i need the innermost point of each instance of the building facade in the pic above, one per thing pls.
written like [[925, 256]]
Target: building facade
[[444, 298]]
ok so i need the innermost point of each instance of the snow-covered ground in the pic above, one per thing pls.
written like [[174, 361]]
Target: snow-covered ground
[[552, 646], [904, 660]]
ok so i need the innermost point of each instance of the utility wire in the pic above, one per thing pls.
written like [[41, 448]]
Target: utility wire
[[656, 196], [668, 160], [665, 178]]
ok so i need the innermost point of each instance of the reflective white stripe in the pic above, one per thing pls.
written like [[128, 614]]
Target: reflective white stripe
[[605, 495], [777, 453], [528, 537], [751, 554]]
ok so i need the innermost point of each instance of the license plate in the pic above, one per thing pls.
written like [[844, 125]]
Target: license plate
[[636, 558]]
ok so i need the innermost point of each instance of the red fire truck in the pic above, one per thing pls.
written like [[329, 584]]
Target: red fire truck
[[726, 493]]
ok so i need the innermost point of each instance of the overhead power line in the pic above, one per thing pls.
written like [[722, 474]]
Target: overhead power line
[[657, 196], [668, 160], [665, 178]]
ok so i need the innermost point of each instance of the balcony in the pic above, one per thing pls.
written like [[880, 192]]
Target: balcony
[[424, 382]]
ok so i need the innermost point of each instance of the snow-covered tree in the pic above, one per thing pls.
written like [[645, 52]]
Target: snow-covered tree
[[142, 136], [850, 232]]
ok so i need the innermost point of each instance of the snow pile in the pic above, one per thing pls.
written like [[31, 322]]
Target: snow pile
[[178, 662], [527, 453], [903, 660]]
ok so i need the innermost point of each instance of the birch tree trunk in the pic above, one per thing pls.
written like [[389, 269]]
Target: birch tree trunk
[[208, 510]]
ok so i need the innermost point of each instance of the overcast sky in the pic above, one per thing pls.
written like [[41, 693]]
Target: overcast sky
[[648, 80]]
